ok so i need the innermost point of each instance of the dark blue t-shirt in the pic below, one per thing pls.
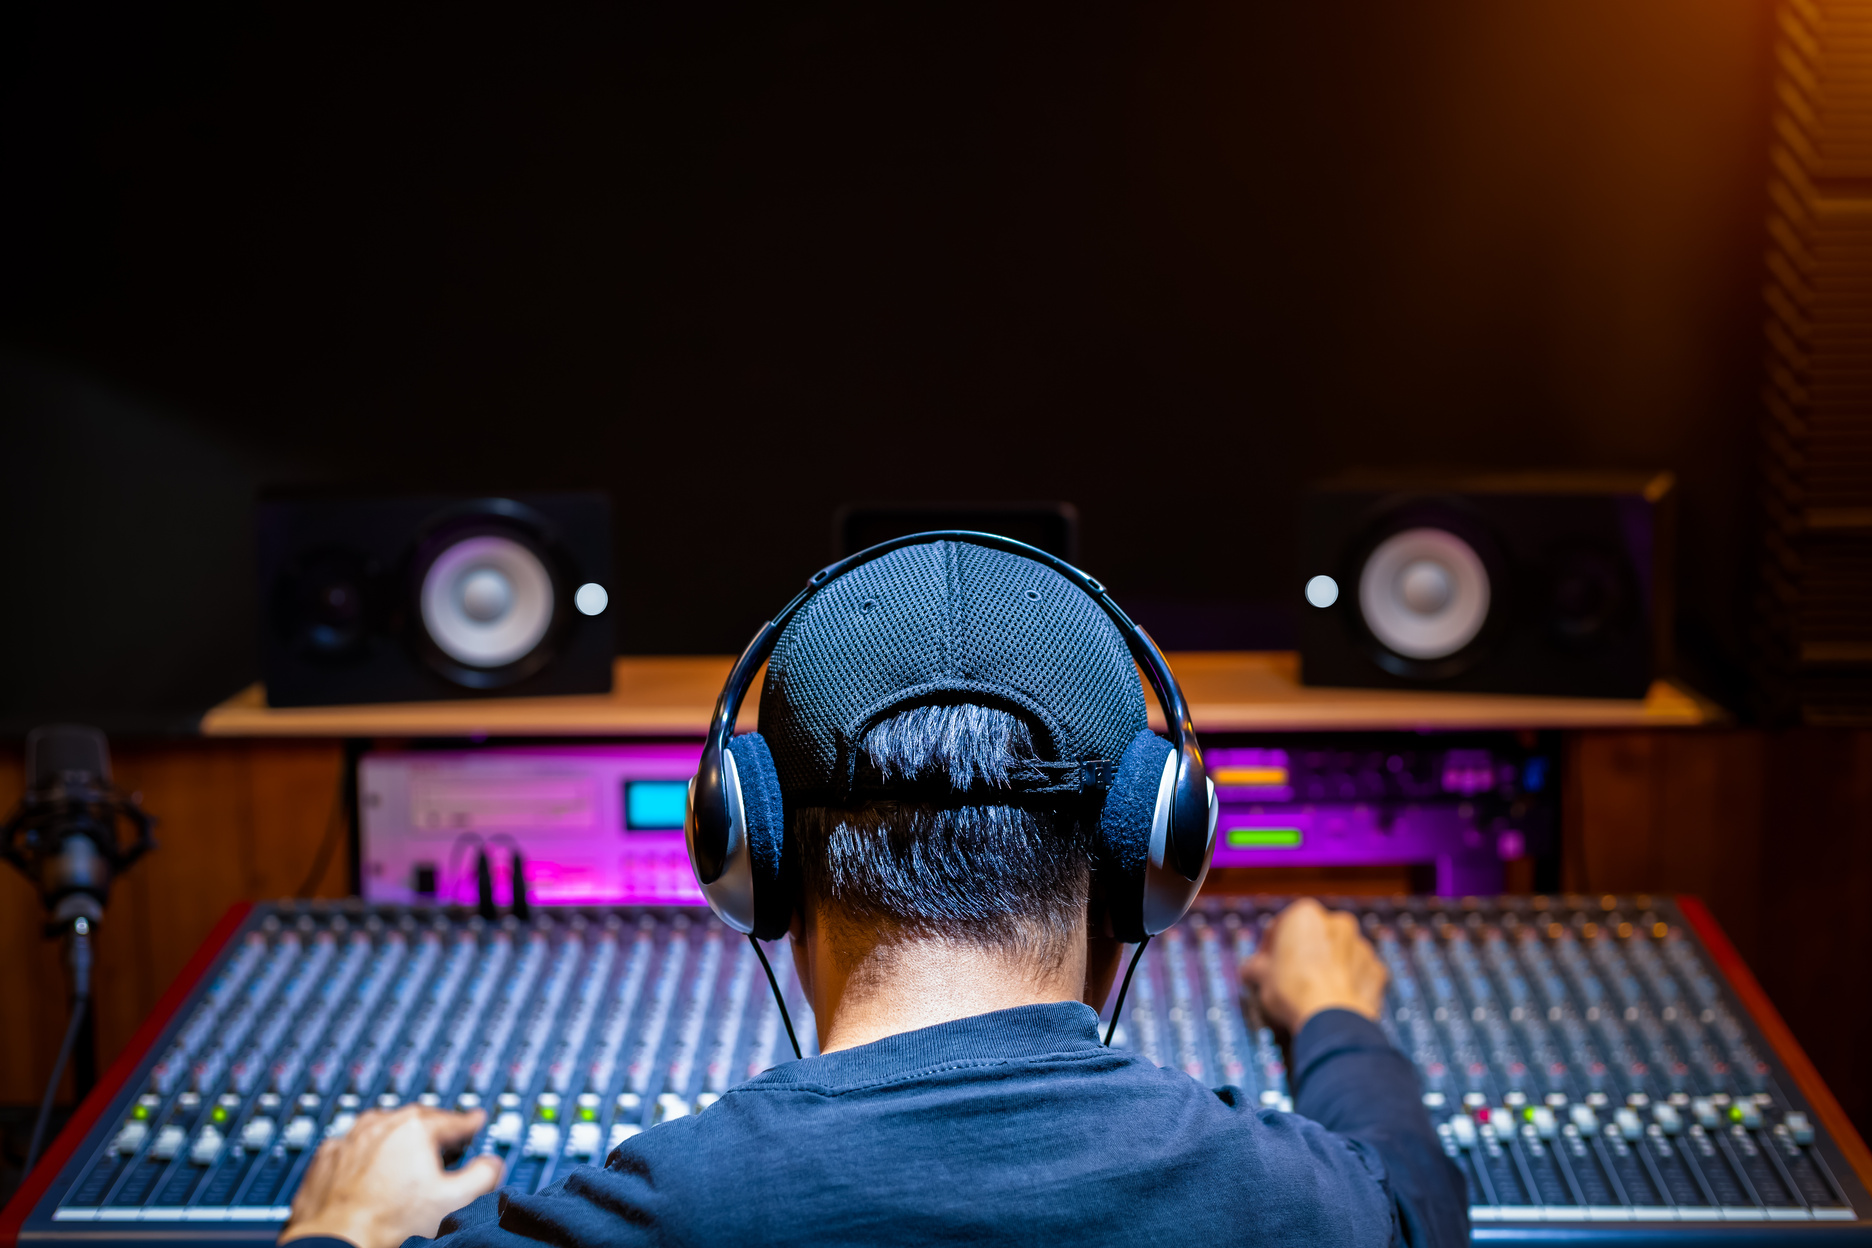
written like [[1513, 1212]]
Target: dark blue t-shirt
[[1017, 1127]]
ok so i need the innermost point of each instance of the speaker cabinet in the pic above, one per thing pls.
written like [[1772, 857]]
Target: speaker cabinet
[[413, 599], [1516, 583]]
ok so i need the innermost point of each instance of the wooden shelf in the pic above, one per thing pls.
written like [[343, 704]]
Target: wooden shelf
[[1260, 691], [1228, 692]]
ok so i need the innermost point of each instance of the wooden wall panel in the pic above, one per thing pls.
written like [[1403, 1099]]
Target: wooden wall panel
[[240, 820], [1669, 812], [1774, 831]]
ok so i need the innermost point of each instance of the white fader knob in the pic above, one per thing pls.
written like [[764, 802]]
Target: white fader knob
[[130, 1137], [582, 1140], [506, 1129]]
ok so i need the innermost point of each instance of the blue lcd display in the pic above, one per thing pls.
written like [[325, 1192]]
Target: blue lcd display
[[655, 805]]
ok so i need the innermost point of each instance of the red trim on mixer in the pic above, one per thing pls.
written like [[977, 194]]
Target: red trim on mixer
[[14, 1216], [1788, 1049]]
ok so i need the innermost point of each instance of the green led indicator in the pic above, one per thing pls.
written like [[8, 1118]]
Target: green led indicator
[[219, 1114], [1264, 838], [587, 1114], [1735, 1113], [140, 1112], [1528, 1113], [548, 1113]]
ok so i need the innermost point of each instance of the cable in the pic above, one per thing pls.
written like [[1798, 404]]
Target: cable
[[780, 998], [449, 885], [516, 888], [484, 887], [1123, 989], [58, 1071], [334, 827]]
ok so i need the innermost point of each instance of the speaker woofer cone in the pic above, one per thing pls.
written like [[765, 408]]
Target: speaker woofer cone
[[489, 594], [1424, 593], [487, 601]]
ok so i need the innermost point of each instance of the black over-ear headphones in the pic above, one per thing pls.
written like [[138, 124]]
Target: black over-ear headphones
[[1155, 830]]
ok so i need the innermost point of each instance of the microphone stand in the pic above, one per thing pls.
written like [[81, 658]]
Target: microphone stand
[[79, 1035], [64, 837]]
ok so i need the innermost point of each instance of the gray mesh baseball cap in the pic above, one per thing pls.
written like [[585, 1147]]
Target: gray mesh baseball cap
[[948, 622]]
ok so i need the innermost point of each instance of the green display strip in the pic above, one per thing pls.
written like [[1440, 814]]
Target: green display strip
[[1264, 838]]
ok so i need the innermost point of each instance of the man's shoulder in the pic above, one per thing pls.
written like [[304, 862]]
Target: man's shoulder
[[998, 1152]]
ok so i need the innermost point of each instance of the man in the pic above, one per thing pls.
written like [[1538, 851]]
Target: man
[[954, 941]]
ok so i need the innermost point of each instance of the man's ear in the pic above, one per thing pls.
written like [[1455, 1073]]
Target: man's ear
[[796, 936], [1098, 914], [1104, 950]]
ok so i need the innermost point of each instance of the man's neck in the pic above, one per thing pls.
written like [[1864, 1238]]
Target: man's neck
[[864, 990]]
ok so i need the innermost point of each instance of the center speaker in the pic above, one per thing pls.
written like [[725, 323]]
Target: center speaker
[[1543, 583], [419, 598]]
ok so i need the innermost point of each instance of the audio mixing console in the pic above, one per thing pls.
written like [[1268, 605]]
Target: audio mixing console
[[1590, 1068]]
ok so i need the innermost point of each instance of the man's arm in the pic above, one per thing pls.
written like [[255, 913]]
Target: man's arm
[[1319, 978]]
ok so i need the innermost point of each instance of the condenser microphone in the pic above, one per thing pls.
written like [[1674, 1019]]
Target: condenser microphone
[[65, 839]]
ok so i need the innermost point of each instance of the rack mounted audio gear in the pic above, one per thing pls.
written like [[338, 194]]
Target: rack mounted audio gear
[[1601, 1070]]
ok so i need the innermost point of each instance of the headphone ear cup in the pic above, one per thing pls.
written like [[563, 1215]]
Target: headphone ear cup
[[1124, 832], [1168, 893], [765, 812]]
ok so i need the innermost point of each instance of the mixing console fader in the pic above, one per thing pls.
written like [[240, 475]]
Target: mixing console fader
[[1589, 1067]]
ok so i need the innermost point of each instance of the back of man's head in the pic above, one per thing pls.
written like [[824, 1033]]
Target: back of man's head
[[929, 713], [1008, 876]]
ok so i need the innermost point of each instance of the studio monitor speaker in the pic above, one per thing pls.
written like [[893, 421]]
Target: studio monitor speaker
[[407, 599], [1515, 583]]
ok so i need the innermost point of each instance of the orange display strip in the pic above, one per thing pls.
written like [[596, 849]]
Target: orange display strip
[[1249, 777], [1777, 1033]]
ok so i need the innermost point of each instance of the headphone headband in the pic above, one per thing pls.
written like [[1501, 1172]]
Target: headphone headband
[[1188, 842]]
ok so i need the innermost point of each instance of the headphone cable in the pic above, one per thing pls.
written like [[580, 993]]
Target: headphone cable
[[780, 998], [1123, 989]]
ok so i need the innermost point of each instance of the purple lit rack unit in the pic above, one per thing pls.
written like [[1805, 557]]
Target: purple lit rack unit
[[593, 824], [602, 824], [1460, 811]]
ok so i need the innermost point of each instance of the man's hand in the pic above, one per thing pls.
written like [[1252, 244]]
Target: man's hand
[[1313, 959], [384, 1181]]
